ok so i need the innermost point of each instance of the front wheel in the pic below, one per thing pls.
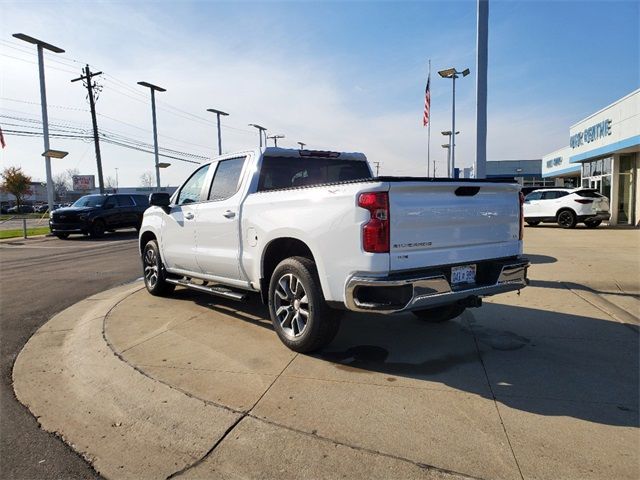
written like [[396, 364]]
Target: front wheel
[[297, 307], [439, 314], [62, 236], [154, 273], [97, 229]]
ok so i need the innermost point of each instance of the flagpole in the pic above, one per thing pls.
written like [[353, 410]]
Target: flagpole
[[429, 131]]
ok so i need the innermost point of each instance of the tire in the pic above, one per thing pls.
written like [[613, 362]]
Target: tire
[[592, 223], [153, 271], [567, 219], [62, 236], [301, 329], [533, 223], [439, 314], [97, 229]]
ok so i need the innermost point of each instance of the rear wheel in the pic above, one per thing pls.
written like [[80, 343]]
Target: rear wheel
[[592, 223], [439, 314], [533, 223], [297, 307], [97, 229], [567, 219], [154, 272]]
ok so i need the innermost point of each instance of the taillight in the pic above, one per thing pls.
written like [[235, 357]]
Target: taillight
[[521, 235], [375, 233], [583, 201]]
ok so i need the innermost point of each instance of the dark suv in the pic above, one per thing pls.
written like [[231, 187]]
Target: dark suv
[[95, 214]]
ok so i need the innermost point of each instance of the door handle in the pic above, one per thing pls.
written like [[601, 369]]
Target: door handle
[[188, 216], [229, 214]]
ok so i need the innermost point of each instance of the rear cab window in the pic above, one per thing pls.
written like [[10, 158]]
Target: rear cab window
[[289, 172], [226, 180]]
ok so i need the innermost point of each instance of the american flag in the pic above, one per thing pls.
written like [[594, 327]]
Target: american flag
[[427, 103]]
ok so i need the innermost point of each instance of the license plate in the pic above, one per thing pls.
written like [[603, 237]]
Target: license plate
[[463, 274]]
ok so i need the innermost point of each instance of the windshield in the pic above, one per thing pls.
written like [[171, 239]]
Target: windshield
[[89, 201]]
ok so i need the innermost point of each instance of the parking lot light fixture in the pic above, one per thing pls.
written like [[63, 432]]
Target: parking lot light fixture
[[261, 130], [163, 165], [452, 73], [153, 89], [43, 103], [55, 153], [218, 113]]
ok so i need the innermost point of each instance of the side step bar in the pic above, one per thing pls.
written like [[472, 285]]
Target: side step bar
[[213, 290]]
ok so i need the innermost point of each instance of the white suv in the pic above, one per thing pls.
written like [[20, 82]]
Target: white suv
[[566, 206]]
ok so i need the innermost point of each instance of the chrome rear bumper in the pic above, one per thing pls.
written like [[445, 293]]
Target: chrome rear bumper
[[434, 289]]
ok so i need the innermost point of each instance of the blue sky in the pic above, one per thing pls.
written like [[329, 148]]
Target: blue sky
[[339, 75]]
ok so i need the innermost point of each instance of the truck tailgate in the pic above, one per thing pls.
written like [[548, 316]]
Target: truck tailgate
[[440, 223]]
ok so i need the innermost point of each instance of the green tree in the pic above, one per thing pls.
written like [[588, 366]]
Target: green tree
[[15, 182]]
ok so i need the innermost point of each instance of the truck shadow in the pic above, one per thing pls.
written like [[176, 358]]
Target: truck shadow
[[538, 361]]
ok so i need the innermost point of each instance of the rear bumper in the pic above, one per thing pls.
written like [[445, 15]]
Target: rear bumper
[[432, 288], [604, 216]]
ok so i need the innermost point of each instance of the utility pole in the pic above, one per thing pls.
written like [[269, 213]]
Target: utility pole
[[153, 89], [275, 139], [43, 102], [261, 130], [218, 113], [434, 169], [377, 164], [117, 180], [301, 145], [90, 84]]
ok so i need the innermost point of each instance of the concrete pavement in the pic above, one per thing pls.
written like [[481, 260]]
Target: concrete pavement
[[538, 385]]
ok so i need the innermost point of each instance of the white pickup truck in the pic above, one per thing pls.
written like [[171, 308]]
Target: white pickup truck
[[314, 233]]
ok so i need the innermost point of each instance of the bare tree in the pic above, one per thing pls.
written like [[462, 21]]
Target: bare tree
[[146, 179], [110, 183], [60, 185]]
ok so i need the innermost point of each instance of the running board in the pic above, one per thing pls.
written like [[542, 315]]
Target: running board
[[219, 291]]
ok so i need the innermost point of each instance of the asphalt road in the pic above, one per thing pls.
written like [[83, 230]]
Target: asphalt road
[[39, 278]]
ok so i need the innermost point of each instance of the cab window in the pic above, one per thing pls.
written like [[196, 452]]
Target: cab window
[[227, 179], [110, 202], [192, 189]]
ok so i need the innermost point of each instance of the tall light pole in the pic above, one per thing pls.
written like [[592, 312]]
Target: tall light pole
[[116, 179], [275, 139], [452, 73], [218, 113], [43, 101], [482, 47], [301, 145], [261, 130], [153, 89]]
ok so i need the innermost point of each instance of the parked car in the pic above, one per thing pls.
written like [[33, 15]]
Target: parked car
[[21, 209], [566, 207], [313, 233], [95, 214]]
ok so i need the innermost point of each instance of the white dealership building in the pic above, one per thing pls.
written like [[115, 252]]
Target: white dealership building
[[604, 153]]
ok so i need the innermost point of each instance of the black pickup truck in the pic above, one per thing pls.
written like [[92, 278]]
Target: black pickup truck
[[96, 214]]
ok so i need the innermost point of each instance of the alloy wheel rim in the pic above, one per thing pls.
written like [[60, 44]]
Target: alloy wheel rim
[[291, 305], [150, 267]]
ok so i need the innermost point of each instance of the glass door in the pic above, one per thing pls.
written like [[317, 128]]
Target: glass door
[[626, 214]]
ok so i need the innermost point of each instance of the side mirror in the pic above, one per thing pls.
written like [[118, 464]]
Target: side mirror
[[160, 199]]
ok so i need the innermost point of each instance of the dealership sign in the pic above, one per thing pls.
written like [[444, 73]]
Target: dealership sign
[[554, 162], [84, 182], [591, 134]]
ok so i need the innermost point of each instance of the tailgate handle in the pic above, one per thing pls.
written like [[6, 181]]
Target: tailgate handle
[[466, 191]]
